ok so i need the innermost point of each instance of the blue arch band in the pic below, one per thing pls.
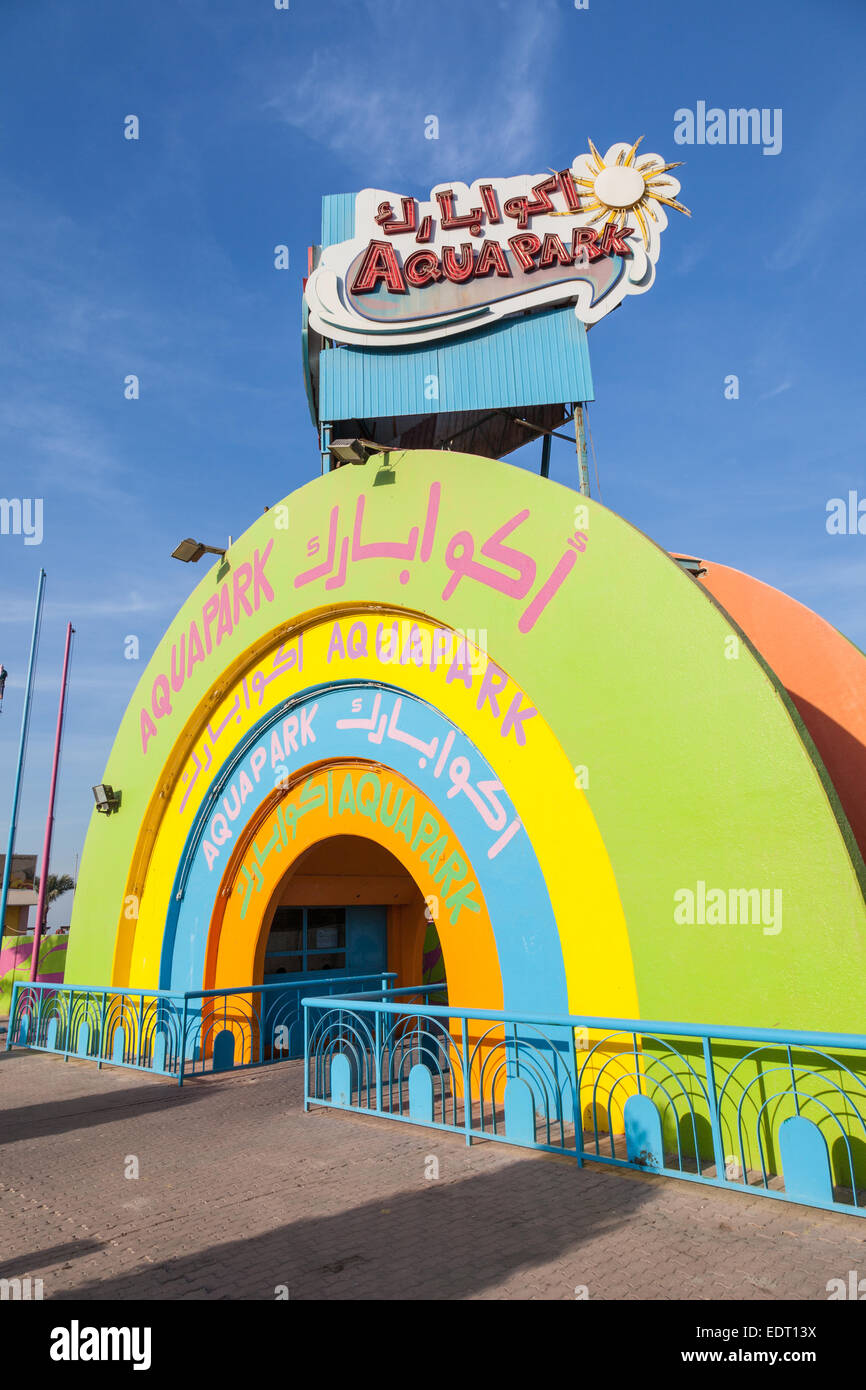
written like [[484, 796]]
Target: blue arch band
[[390, 727]]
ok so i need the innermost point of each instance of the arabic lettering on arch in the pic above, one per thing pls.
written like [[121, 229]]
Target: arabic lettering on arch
[[459, 557], [288, 656], [483, 795]]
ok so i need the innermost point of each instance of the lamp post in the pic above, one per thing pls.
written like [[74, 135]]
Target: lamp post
[[49, 822], [22, 747]]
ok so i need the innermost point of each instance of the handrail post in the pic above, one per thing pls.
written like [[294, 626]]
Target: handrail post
[[794, 1092], [183, 1028], [67, 1029], [377, 1060], [578, 1113], [16, 985], [306, 1009], [467, 1081], [713, 1098], [102, 1031]]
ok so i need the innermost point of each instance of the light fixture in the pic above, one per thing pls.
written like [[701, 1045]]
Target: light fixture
[[349, 451], [106, 798], [190, 551], [690, 564]]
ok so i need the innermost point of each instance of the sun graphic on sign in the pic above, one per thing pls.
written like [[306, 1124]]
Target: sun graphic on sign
[[619, 185]]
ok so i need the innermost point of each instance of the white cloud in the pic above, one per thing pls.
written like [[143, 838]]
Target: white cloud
[[379, 126], [776, 391]]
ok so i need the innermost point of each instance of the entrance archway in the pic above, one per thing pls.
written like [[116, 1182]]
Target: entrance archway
[[347, 905], [382, 810], [416, 794]]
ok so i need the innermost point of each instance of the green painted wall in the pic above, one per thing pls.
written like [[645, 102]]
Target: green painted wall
[[697, 768]]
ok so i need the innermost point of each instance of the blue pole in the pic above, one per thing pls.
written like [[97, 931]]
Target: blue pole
[[22, 746]]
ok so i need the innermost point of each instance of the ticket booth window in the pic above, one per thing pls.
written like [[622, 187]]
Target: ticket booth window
[[306, 941]]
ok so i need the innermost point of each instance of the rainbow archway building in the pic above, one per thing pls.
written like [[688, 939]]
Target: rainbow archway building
[[617, 782], [435, 720]]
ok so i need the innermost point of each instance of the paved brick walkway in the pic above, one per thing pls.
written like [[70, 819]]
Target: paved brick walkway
[[239, 1192]]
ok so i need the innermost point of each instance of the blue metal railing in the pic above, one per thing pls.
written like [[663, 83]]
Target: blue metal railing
[[779, 1113], [169, 1032]]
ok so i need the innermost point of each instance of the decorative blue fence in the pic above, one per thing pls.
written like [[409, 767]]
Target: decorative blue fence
[[757, 1110], [168, 1032]]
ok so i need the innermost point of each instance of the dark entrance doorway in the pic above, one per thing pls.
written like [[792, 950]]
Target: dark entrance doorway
[[308, 941], [349, 907]]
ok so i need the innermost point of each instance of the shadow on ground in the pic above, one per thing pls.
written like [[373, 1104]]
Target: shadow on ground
[[44, 1259], [68, 1113], [445, 1240]]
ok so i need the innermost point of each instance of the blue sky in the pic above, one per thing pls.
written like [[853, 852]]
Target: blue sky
[[155, 257]]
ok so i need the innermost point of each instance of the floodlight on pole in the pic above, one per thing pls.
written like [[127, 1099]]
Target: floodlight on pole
[[190, 551], [354, 450], [106, 798], [348, 451]]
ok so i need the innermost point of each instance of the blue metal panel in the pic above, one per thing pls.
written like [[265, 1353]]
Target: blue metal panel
[[338, 218], [224, 1051], [366, 939], [160, 1050], [519, 1105], [537, 359], [643, 1132], [341, 1080], [421, 1094], [805, 1161]]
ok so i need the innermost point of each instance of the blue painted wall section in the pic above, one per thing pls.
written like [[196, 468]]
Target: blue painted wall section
[[540, 359], [512, 884]]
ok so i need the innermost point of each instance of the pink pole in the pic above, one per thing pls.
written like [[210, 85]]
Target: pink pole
[[49, 823]]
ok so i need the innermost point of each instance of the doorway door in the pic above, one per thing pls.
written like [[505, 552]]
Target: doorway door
[[306, 942]]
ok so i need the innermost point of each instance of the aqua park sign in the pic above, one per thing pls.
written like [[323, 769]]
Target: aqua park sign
[[471, 255]]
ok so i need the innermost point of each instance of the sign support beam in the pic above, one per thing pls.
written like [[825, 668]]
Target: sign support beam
[[580, 445]]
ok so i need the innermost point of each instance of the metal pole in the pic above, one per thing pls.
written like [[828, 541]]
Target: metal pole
[[306, 1056], [545, 456], [467, 1081], [713, 1098], [183, 1028], [22, 745], [42, 905], [580, 445], [324, 442]]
